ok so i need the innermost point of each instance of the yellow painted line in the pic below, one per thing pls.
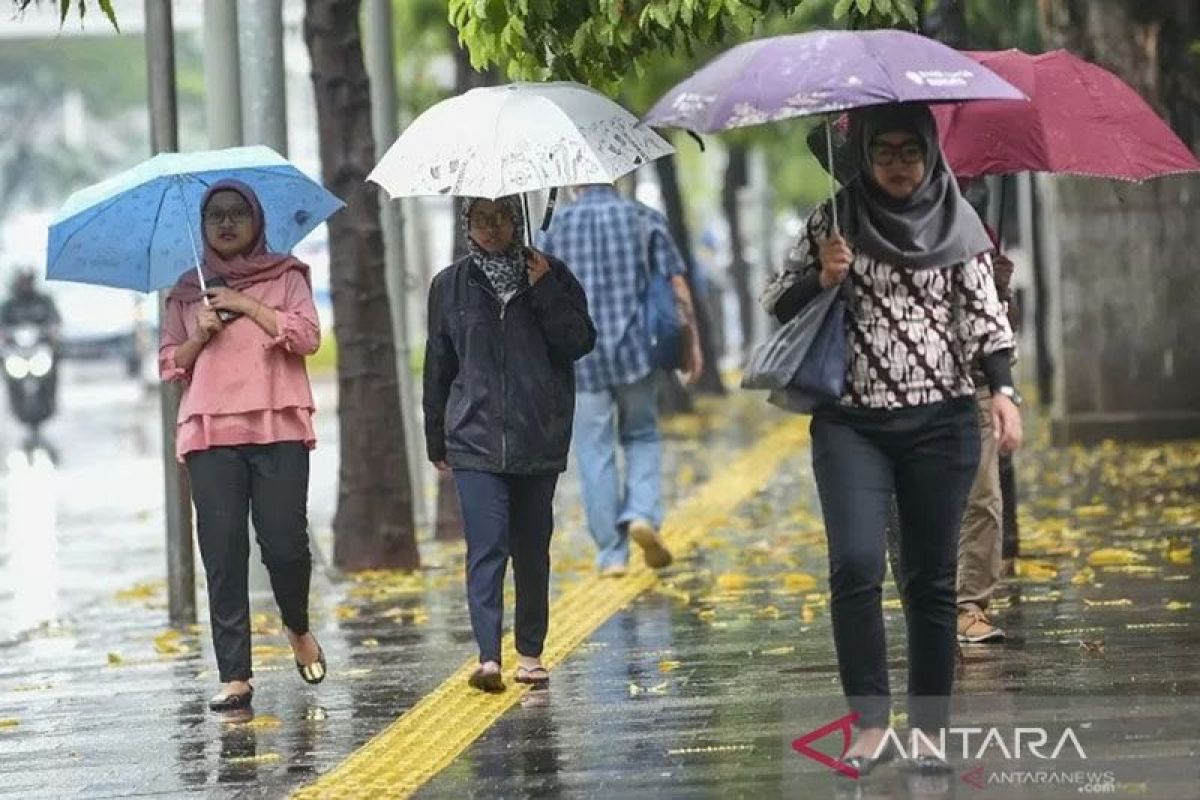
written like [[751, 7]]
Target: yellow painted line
[[425, 740]]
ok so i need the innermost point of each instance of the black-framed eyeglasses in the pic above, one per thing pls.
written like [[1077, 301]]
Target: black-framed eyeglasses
[[237, 216], [498, 219], [885, 154]]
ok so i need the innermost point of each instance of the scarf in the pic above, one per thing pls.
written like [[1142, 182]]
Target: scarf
[[255, 265], [506, 271]]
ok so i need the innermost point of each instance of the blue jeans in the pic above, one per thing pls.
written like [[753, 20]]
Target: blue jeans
[[629, 415]]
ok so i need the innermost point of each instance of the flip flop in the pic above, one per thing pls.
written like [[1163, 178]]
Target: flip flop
[[484, 681], [534, 676]]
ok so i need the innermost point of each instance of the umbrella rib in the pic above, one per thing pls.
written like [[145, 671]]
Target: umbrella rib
[[162, 200]]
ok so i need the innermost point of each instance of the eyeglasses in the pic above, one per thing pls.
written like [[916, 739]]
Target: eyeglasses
[[885, 154], [237, 216], [498, 219]]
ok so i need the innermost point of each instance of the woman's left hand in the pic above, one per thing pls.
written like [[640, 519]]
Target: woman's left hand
[[537, 266], [221, 298], [1006, 423]]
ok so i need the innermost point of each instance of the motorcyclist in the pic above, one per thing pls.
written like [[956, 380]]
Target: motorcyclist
[[27, 306]]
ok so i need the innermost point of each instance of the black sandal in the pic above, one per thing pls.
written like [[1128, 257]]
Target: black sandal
[[313, 673], [486, 681], [231, 702], [529, 675]]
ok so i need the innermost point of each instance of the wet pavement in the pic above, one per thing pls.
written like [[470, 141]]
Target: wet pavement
[[696, 689]]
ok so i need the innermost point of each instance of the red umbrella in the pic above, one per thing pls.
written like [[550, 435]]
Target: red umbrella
[[1080, 120]]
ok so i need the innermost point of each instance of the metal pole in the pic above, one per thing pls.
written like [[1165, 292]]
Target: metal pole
[[381, 69], [222, 88], [260, 56], [164, 137]]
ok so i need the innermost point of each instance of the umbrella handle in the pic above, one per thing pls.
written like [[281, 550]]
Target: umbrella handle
[[528, 224], [195, 251], [832, 184]]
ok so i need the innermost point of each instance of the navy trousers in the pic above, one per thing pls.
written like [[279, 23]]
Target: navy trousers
[[507, 516]]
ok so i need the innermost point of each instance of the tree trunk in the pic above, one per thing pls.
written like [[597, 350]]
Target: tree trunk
[[373, 524], [736, 170], [668, 179]]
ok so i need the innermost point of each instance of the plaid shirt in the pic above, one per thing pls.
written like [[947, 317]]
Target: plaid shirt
[[602, 237]]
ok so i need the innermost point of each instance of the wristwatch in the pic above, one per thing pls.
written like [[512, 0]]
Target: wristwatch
[[1011, 393]]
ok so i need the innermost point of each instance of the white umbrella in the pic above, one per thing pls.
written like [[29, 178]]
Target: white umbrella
[[523, 137]]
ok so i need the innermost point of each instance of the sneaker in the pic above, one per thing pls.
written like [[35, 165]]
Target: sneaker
[[974, 627], [653, 548], [614, 571]]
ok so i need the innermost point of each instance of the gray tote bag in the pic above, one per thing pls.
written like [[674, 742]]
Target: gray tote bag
[[774, 364]]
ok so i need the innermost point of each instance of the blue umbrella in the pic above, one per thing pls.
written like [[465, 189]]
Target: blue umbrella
[[140, 229]]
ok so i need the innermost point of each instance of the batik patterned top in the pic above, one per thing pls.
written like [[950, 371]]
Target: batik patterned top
[[913, 335]]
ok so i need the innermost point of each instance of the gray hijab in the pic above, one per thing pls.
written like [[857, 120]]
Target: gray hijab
[[936, 226]]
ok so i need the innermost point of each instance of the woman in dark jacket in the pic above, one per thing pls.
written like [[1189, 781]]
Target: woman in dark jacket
[[506, 324], [922, 309]]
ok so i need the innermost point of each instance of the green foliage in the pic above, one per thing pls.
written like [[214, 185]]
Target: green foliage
[[64, 8], [599, 42]]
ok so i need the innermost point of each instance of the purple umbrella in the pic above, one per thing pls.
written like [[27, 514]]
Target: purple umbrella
[[822, 72]]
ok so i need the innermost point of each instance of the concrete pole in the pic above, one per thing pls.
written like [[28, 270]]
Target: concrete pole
[[260, 57], [164, 137], [222, 81], [381, 68]]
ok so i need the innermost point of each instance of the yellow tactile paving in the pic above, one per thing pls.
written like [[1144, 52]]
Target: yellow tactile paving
[[418, 745]]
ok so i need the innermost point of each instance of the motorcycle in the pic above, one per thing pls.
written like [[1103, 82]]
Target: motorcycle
[[31, 374]]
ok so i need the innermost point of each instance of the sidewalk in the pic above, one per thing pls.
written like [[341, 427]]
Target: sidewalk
[[695, 689]]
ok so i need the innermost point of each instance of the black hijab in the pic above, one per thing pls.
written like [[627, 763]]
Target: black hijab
[[934, 227]]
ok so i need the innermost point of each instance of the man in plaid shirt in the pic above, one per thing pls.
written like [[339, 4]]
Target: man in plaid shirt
[[611, 243]]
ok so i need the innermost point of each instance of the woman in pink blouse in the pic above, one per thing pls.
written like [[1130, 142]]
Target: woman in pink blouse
[[913, 259], [245, 426]]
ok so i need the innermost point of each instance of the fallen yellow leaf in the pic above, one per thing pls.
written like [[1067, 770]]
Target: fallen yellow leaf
[[265, 758], [732, 581], [1178, 605], [807, 614], [9, 723], [1180, 555], [167, 643], [1036, 571], [140, 591], [1085, 576], [263, 722], [798, 582], [668, 666], [114, 659], [345, 612], [1114, 557], [779, 651], [370, 643]]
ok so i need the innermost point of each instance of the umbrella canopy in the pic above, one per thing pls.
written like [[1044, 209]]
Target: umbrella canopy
[[820, 72], [1081, 120], [141, 229], [522, 137]]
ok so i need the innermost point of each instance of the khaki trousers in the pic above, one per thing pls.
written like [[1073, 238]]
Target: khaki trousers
[[979, 540]]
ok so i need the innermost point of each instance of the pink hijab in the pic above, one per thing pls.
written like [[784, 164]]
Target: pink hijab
[[255, 265]]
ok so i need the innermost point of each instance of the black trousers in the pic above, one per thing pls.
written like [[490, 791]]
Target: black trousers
[[503, 516], [928, 457], [230, 485]]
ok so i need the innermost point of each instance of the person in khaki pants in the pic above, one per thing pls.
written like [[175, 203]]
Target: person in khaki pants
[[980, 561]]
